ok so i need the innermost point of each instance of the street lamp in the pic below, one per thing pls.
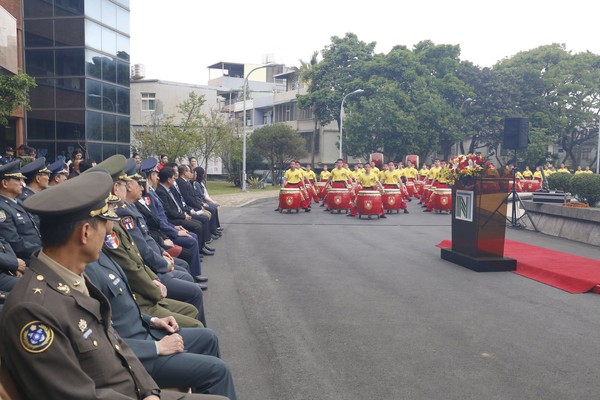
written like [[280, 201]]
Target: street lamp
[[244, 187], [342, 117]]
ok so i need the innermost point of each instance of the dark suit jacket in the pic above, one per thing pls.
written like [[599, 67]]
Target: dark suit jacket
[[173, 210], [187, 191]]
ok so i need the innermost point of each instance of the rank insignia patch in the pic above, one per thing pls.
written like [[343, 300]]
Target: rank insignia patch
[[111, 241], [2, 216], [127, 223], [36, 337]]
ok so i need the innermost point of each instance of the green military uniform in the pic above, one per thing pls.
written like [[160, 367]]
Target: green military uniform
[[122, 249], [53, 333]]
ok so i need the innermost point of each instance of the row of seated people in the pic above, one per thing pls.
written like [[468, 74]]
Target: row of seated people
[[156, 298]]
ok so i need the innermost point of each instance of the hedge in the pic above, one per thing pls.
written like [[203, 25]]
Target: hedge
[[586, 187]]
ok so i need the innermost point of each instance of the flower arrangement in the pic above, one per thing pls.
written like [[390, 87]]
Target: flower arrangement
[[464, 167]]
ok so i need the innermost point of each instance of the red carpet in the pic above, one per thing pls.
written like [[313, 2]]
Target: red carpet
[[565, 271]]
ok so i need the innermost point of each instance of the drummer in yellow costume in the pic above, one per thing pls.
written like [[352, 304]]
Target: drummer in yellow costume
[[339, 178], [367, 181], [411, 172], [310, 178], [374, 168], [423, 172], [441, 181], [537, 175], [392, 179], [527, 174], [381, 175], [294, 178], [325, 174]]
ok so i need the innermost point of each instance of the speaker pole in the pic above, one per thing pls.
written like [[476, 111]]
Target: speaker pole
[[514, 221]]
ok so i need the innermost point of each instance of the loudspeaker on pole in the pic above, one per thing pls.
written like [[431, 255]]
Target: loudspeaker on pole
[[516, 133]]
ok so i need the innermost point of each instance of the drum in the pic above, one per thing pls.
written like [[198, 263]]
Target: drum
[[419, 187], [519, 186], [531, 186], [377, 158], [368, 202], [321, 189], [391, 199], [289, 199], [442, 200], [427, 190], [338, 199], [410, 188]]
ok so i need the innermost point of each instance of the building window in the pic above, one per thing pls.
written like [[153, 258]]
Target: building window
[[148, 101]]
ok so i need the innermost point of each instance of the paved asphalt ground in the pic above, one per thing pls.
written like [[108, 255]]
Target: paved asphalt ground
[[320, 306]]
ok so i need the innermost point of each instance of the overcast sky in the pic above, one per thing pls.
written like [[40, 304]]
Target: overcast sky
[[177, 39]]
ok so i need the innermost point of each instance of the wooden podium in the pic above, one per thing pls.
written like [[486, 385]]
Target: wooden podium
[[479, 225]]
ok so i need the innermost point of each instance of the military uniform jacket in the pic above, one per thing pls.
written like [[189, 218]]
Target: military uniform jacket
[[123, 251], [27, 191], [18, 228], [59, 344], [8, 258], [127, 319], [152, 222], [155, 205], [134, 223]]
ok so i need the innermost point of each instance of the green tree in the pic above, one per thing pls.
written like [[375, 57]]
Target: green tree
[[337, 74], [14, 93], [278, 144], [176, 136], [216, 136]]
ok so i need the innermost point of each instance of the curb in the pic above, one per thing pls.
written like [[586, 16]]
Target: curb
[[253, 201]]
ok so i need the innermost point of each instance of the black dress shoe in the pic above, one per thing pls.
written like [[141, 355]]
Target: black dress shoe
[[220, 229], [207, 252], [214, 237], [406, 211], [203, 287], [382, 216], [200, 278], [209, 248]]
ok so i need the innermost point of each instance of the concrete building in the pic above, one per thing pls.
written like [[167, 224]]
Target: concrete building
[[11, 63], [282, 107], [78, 51], [153, 99]]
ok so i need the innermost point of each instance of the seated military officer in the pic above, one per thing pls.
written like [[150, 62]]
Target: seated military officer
[[17, 226], [37, 177], [59, 172], [56, 339], [11, 267], [175, 357], [186, 302]]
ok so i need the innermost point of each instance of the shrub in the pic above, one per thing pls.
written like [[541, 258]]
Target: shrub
[[560, 181], [586, 187], [255, 183]]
